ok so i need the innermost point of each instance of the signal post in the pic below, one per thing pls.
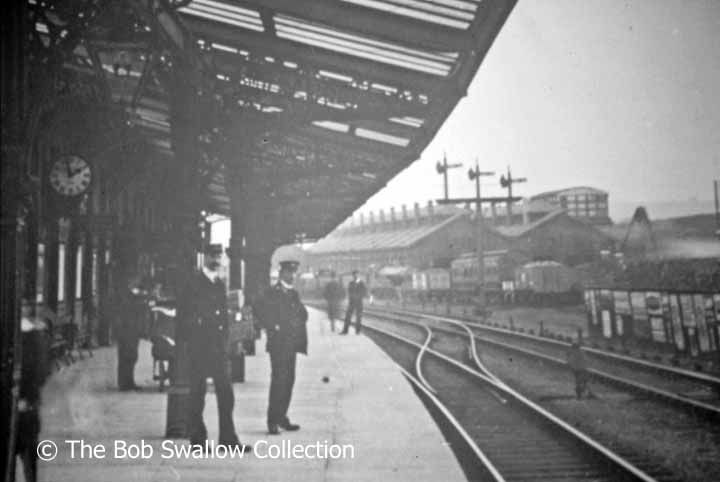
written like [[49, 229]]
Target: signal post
[[474, 174]]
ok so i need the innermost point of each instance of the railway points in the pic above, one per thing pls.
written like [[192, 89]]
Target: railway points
[[537, 450], [541, 381]]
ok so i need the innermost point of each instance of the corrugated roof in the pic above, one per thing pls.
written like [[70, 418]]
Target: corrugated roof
[[522, 229], [370, 241], [439, 210]]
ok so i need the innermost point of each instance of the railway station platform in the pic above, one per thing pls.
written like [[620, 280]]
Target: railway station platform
[[366, 408]]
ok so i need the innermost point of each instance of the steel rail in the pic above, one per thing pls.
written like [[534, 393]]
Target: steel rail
[[430, 393], [609, 455], [603, 376], [680, 372], [418, 360]]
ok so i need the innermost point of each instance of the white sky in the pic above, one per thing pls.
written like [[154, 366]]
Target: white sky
[[619, 95]]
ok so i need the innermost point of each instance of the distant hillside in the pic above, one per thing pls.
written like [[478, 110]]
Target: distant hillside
[[622, 211]]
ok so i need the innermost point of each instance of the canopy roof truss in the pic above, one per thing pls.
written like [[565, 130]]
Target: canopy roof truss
[[353, 90], [321, 101]]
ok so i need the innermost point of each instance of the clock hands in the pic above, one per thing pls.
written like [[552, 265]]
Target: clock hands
[[68, 170], [70, 176], [75, 172]]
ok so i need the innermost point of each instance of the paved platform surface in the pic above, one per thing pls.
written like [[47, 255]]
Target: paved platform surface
[[366, 405]]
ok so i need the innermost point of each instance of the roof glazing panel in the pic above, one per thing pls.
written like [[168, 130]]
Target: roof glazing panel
[[451, 13], [225, 13], [381, 137], [301, 31]]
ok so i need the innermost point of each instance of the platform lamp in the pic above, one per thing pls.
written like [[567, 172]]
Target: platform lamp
[[474, 174]]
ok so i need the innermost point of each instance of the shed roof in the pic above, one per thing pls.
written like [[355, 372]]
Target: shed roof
[[518, 230], [379, 240]]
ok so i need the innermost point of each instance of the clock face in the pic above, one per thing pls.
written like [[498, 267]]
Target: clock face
[[70, 175]]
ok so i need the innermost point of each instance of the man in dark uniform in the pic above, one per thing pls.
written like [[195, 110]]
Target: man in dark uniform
[[356, 293], [578, 365], [282, 315], [203, 324], [129, 328], [333, 294]]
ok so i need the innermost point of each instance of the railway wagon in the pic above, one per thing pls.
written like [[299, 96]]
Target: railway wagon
[[547, 282], [390, 282], [433, 284], [499, 266], [463, 276]]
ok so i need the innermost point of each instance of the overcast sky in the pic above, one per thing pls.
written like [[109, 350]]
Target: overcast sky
[[623, 95]]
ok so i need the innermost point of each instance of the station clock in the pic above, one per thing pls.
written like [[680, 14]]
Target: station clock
[[70, 176]]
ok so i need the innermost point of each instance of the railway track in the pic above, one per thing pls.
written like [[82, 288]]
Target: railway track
[[681, 388], [680, 373], [512, 438]]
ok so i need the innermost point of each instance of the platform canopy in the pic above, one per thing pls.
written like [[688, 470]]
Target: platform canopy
[[320, 102]]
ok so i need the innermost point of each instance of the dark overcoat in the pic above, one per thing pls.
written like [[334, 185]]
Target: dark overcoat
[[283, 316], [130, 315], [203, 318], [356, 291], [334, 292]]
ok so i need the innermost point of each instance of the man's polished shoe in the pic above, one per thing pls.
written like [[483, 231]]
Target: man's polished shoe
[[290, 427], [273, 429]]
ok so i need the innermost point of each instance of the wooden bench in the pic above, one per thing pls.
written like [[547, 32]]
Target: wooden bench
[[80, 341], [60, 346]]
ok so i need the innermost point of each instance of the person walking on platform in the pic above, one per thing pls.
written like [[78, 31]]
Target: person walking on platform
[[284, 318], [204, 326], [34, 371], [333, 294], [129, 328], [578, 365], [356, 293]]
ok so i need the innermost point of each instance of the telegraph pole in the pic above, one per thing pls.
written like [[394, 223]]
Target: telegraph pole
[[716, 190], [443, 169], [507, 182], [475, 174]]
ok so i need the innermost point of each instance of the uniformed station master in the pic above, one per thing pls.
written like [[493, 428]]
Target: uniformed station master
[[282, 315], [203, 322]]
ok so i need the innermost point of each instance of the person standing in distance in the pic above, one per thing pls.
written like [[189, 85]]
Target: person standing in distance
[[333, 294], [356, 293], [284, 318], [578, 365], [130, 324], [203, 324]]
